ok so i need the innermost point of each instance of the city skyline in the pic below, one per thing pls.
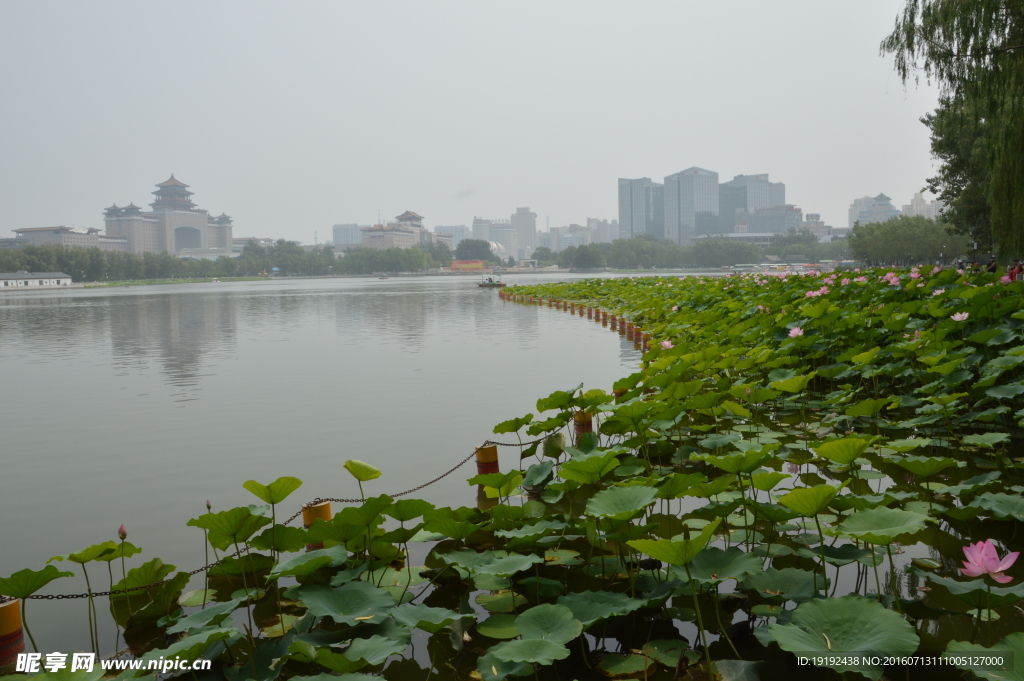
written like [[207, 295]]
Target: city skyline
[[308, 130]]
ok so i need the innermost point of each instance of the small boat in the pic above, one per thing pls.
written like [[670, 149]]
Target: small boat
[[382, 277], [491, 281]]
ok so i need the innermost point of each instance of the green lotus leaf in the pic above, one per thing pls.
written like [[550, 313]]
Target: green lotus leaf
[[714, 565], [809, 501], [842, 555], [24, 583], [452, 528], [621, 503], [1010, 649], [308, 563], [408, 509], [562, 557], [537, 529], [508, 565], [470, 559], [987, 440], [362, 471], [795, 384], [737, 670], [373, 650], [745, 462], [280, 538], [678, 552], [192, 647], [882, 525], [1001, 505], [549, 622], [717, 441], [501, 627], [501, 601], [591, 606], [712, 488], [868, 407], [909, 444], [87, 555], [213, 613], [848, 624], [350, 603], [775, 513], [666, 651], [533, 650], [925, 466], [675, 485], [790, 584], [843, 451], [194, 599], [424, 617], [512, 425], [495, 480], [977, 592], [233, 526], [124, 549], [590, 468], [780, 374], [867, 356], [766, 482], [491, 668], [275, 492], [339, 662], [617, 666]]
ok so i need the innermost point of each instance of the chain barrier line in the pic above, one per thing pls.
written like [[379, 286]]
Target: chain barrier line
[[318, 500]]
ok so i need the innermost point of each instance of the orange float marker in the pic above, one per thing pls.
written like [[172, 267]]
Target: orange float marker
[[12, 636], [487, 459], [312, 513]]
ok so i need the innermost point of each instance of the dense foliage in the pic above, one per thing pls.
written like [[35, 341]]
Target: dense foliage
[[907, 240], [289, 259], [795, 469], [974, 51]]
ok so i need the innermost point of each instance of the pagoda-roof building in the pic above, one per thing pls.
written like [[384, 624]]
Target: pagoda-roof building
[[173, 182], [173, 194], [409, 215], [131, 209]]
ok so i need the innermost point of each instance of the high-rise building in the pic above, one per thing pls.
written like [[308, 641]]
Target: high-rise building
[[603, 231], [525, 224], [641, 208], [456, 232], [870, 209], [775, 220], [744, 194], [688, 193], [508, 237], [347, 234], [919, 207]]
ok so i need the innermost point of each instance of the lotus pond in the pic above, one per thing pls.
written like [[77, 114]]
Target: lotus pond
[[823, 466]]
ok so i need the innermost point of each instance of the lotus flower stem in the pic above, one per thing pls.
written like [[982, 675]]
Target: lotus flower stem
[[874, 566], [718, 616], [892, 579], [89, 611], [24, 623]]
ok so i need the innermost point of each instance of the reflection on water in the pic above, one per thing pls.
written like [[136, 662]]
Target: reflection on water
[[136, 405]]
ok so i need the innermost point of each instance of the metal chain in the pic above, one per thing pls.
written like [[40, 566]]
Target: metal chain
[[318, 500]]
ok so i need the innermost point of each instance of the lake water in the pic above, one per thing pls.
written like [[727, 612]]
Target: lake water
[[136, 405]]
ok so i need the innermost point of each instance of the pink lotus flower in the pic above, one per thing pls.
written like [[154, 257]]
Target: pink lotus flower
[[666, 344], [960, 272], [960, 316], [122, 532], [812, 294], [982, 559], [796, 332], [1005, 279], [938, 291], [675, 308], [862, 280], [845, 281]]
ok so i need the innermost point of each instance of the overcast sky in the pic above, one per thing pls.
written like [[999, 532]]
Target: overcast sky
[[291, 117]]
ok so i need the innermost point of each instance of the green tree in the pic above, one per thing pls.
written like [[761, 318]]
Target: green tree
[[473, 249], [974, 51], [906, 241], [544, 255], [720, 252]]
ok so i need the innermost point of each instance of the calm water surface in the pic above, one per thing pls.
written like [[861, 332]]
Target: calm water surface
[[136, 405]]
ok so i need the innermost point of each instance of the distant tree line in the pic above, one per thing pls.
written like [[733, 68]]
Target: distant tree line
[[290, 259], [907, 241]]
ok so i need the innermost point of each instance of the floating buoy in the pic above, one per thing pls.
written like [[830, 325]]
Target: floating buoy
[[590, 313], [312, 513], [12, 637], [487, 459]]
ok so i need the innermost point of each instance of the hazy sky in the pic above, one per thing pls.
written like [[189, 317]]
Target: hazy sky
[[291, 117]]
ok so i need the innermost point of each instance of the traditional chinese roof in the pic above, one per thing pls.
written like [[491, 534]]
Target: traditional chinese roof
[[114, 207], [408, 215], [172, 183]]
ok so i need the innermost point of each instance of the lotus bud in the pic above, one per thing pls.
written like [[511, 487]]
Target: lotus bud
[[554, 445], [209, 506], [122, 532]]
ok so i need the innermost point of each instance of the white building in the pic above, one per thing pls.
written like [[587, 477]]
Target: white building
[[349, 234], [23, 279], [926, 209], [691, 204], [507, 237], [871, 209], [525, 224], [69, 238]]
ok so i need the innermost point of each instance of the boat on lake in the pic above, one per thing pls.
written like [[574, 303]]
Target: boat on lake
[[491, 281]]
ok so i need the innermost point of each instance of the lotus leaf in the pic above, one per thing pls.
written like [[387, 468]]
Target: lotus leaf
[[408, 509], [590, 606], [666, 651], [425, 617], [589, 469], [987, 440], [621, 502], [714, 565], [848, 624], [790, 584], [977, 592], [362, 471], [275, 492], [308, 563], [616, 666], [678, 552], [534, 650], [213, 613], [925, 466], [502, 601], [1001, 505], [491, 668], [882, 525], [1010, 649], [843, 451], [24, 583], [562, 557], [350, 603], [233, 526], [809, 501], [192, 647], [87, 555]]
